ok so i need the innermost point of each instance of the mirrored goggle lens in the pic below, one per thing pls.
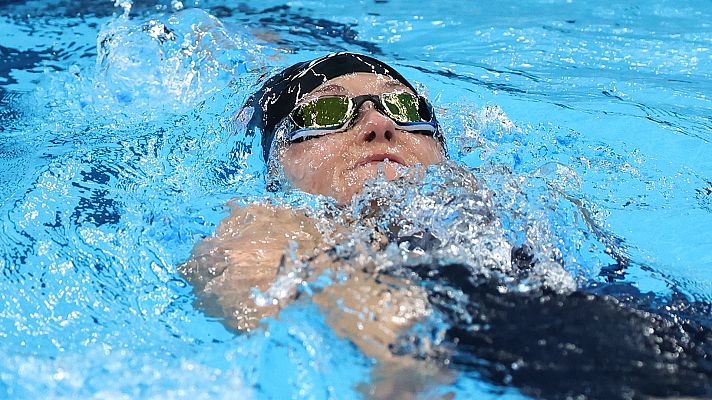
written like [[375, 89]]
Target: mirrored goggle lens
[[402, 107], [322, 112]]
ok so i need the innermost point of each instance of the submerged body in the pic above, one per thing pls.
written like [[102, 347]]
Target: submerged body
[[405, 298]]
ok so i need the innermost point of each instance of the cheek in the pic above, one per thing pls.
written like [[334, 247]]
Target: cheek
[[429, 151], [310, 166]]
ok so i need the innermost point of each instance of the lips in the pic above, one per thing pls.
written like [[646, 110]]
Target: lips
[[381, 157]]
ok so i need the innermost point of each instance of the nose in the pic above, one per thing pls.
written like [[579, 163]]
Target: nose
[[373, 126]]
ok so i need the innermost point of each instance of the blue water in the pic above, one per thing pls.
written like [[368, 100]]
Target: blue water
[[119, 150]]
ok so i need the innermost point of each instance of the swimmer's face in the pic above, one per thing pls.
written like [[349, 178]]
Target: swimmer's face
[[338, 164]]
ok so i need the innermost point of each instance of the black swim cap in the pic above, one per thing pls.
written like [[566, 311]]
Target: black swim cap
[[279, 95]]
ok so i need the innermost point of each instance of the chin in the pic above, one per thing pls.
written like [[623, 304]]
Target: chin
[[356, 178], [370, 170]]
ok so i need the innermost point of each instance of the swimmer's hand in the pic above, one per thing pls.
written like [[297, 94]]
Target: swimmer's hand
[[245, 253]]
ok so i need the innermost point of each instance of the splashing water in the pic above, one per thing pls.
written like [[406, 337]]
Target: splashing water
[[130, 158], [173, 61]]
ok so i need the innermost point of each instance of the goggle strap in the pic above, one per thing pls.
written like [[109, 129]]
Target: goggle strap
[[309, 133], [417, 126]]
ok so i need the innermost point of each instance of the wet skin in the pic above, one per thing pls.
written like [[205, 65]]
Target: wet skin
[[339, 164]]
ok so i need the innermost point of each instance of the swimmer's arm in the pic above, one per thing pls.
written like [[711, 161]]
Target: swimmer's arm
[[245, 253], [372, 312]]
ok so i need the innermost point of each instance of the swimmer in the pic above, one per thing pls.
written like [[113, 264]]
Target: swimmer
[[327, 126], [333, 123]]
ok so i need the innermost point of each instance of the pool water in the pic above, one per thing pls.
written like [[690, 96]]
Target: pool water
[[119, 149]]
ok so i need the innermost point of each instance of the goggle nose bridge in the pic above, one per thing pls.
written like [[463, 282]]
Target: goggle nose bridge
[[358, 102]]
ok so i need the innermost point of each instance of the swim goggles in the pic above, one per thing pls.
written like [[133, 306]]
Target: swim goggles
[[330, 114]]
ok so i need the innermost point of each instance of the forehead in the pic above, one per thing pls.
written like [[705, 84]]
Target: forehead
[[360, 83]]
